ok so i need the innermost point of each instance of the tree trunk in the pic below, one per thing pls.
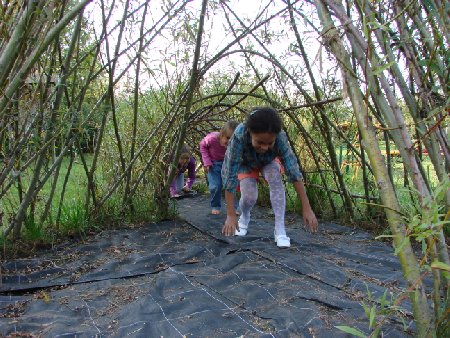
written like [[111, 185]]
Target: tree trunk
[[401, 242]]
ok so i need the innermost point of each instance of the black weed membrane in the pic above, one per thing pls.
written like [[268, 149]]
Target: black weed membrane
[[185, 279]]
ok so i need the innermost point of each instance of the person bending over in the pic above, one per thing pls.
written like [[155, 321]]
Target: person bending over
[[212, 149], [261, 146]]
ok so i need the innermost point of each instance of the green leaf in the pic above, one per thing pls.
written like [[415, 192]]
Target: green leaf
[[373, 312], [383, 302], [442, 189], [369, 294], [424, 246], [366, 309], [423, 62], [430, 6], [375, 25], [382, 68], [440, 266], [376, 333], [351, 330]]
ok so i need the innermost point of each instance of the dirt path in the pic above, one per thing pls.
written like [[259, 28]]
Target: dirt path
[[175, 279]]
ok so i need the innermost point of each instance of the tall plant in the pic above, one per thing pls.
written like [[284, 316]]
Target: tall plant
[[381, 94]]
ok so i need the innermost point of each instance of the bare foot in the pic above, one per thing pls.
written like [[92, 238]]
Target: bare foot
[[215, 212]]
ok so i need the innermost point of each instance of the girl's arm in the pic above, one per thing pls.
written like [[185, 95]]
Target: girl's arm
[[308, 214], [231, 222]]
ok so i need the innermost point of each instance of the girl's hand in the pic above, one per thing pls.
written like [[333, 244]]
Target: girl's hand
[[206, 169], [230, 226], [186, 189], [310, 219], [308, 214]]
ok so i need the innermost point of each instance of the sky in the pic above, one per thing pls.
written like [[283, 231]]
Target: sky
[[169, 44]]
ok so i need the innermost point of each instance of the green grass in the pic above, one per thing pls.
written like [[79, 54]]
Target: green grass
[[74, 220], [74, 190]]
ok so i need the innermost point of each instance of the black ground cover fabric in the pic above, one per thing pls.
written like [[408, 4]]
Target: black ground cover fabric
[[183, 278]]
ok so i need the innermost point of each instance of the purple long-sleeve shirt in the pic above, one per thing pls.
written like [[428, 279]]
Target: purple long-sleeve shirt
[[211, 149], [190, 167]]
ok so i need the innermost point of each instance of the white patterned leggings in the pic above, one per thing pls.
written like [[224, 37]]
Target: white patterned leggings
[[249, 195]]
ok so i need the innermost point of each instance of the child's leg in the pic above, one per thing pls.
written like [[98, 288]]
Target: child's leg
[[271, 173], [179, 182], [174, 187], [249, 195], [215, 185]]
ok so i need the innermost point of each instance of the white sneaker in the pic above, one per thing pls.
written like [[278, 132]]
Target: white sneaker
[[242, 230], [282, 241]]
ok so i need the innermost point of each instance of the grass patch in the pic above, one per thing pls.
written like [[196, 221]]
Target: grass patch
[[73, 218], [70, 219]]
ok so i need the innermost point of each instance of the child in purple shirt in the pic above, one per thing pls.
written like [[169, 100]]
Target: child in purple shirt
[[212, 149], [186, 162]]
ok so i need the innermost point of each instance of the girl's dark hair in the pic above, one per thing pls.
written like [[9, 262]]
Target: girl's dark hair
[[263, 120]]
